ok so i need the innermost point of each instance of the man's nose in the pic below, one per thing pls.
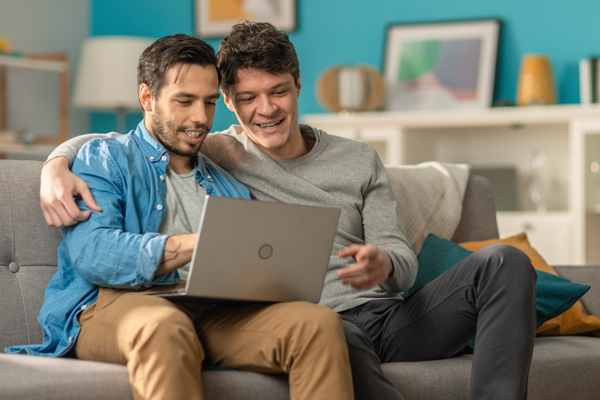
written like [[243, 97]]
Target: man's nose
[[199, 114], [266, 106]]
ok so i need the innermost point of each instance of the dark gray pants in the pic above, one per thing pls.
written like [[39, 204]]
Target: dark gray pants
[[491, 293]]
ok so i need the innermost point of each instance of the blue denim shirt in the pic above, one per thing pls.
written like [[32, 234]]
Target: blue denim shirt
[[118, 247]]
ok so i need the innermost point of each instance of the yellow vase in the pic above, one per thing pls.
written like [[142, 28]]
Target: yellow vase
[[536, 81]]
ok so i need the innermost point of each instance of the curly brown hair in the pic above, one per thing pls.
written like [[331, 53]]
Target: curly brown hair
[[170, 50], [258, 45]]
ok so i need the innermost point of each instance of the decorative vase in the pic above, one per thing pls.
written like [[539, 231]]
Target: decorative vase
[[536, 81], [344, 88]]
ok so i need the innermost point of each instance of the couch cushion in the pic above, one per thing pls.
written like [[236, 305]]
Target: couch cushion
[[237, 385], [31, 378], [21, 297], [426, 380], [565, 367], [430, 197], [562, 367]]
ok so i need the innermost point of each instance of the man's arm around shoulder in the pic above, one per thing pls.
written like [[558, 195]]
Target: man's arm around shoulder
[[58, 185]]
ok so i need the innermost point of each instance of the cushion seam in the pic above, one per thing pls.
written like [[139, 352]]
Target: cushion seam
[[14, 254]]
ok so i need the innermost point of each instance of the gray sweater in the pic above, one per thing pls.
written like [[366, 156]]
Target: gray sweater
[[337, 172]]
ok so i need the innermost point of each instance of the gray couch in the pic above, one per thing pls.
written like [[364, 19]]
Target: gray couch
[[563, 367]]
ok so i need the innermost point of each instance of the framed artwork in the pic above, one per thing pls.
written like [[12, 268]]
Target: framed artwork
[[214, 18], [441, 65]]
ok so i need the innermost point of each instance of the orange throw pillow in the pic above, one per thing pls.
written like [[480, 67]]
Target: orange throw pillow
[[573, 321]]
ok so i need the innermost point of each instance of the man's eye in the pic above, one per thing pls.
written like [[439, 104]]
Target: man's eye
[[183, 101], [280, 93]]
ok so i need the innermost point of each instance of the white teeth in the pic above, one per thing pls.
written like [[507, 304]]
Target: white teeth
[[193, 134], [267, 126]]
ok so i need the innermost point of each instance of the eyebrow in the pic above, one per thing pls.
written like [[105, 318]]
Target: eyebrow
[[215, 95]]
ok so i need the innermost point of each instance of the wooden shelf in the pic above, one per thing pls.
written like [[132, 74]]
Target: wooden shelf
[[54, 62], [32, 62]]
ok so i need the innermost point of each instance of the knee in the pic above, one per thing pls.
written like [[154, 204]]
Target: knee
[[505, 255], [507, 261]]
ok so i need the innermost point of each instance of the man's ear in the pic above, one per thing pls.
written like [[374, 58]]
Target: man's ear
[[227, 101], [145, 95], [298, 85]]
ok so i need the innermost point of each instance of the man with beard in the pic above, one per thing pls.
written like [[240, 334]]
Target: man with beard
[[149, 186]]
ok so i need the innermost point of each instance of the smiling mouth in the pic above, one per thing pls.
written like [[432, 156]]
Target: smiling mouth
[[271, 125], [193, 134]]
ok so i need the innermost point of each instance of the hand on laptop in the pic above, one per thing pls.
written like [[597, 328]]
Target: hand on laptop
[[57, 188], [372, 267]]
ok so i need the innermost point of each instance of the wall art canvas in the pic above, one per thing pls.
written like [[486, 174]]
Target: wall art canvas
[[441, 66], [215, 18]]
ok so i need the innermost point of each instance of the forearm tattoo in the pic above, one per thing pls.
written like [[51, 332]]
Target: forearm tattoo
[[171, 255]]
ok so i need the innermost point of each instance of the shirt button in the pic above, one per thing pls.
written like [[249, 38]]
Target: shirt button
[[83, 307], [151, 158], [159, 207], [209, 177], [70, 339], [164, 158], [162, 178]]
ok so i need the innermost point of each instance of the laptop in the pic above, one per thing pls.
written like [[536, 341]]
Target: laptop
[[250, 250]]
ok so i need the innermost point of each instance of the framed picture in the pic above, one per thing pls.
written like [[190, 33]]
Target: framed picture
[[214, 18], [441, 65]]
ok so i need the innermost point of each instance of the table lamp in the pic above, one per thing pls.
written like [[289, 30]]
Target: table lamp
[[107, 76]]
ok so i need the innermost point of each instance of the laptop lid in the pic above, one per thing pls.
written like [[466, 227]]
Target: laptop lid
[[261, 251]]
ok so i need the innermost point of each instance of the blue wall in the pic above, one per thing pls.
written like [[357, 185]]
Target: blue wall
[[353, 31]]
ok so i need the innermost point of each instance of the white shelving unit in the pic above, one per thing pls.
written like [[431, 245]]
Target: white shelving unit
[[568, 135], [39, 148]]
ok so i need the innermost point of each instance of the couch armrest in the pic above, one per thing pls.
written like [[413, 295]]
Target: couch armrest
[[586, 275]]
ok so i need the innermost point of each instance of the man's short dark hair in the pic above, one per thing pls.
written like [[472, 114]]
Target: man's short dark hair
[[171, 50], [257, 45]]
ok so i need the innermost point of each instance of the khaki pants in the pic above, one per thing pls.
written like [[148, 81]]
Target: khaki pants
[[164, 343]]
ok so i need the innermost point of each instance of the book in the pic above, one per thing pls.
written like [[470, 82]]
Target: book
[[585, 94], [589, 80]]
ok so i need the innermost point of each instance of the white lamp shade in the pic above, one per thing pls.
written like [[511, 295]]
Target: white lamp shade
[[107, 76]]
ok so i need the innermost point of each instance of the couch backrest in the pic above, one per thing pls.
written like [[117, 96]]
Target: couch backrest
[[28, 252], [478, 219]]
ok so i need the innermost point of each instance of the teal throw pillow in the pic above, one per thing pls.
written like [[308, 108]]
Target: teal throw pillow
[[554, 294]]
